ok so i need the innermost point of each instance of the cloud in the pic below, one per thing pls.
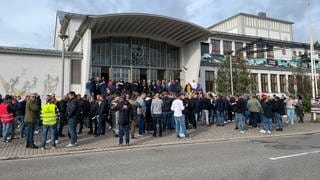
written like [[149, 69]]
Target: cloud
[[33, 25]]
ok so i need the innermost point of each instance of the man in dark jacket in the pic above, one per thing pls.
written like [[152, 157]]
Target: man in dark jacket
[[62, 106], [279, 107], [124, 108], [268, 109], [220, 108], [239, 109], [102, 112], [205, 107], [20, 112], [166, 112], [72, 116]]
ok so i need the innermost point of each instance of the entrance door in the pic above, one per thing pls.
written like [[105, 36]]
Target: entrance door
[[105, 73], [143, 74]]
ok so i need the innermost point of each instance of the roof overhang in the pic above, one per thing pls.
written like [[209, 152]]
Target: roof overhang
[[148, 25]]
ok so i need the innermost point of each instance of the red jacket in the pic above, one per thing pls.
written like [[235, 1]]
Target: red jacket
[[5, 116]]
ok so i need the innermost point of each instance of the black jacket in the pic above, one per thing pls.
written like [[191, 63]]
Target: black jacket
[[268, 109], [239, 106], [73, 109], [124, 108], [205, 104]]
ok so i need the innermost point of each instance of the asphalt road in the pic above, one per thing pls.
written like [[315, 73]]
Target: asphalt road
[[272, 158]]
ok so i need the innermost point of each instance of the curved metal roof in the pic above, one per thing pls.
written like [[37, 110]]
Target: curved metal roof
[[163, 27]]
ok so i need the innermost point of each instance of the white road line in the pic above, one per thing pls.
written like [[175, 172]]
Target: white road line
[[293, 155]]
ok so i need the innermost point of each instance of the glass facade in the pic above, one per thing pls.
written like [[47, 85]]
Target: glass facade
[[150, 59]]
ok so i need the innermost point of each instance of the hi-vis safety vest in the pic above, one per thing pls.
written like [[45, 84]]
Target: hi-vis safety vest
[[5, 116], [48, 114]]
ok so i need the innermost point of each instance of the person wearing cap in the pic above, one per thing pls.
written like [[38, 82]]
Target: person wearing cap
[[7, 117], [30, 119], [49, 113]]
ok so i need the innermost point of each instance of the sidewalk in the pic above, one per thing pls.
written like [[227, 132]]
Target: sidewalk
[[88, 143]]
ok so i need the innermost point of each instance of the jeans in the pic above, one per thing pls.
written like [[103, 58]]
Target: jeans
[[240, 119], [290, 115], [141, 123], [37, 124], [212, 115], [268, 123], [157, 119], [237, 119], [226, 115], [123, 130], [72, 123], [254, 116], [61, 123], [53, 132], [20, 119], [6, 129], [101, 125], [180, 125], [205, 116], [30, 132], [279, 120], [166, 118], [220, 117]]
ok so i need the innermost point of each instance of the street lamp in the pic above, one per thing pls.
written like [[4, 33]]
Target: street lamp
[[231, 77], [63, 37]]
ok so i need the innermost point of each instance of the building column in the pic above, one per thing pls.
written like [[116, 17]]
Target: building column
[[244, 52], [278, 83], [215, 80], [287, 84], [233, 48], [210, 46], [269, 82], [259, 82], [221, 46]]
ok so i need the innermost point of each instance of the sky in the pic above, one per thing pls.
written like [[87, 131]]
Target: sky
[[31, 23]]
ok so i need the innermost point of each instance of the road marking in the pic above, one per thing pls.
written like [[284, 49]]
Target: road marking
[[294, 155]]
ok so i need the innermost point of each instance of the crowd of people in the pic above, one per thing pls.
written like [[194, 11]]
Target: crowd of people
[[125, 107]]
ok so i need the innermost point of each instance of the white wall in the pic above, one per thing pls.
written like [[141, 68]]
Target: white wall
[[25, 74], [191, 56]]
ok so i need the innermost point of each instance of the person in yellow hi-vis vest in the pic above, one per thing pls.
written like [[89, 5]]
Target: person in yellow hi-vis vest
[[49, 113]]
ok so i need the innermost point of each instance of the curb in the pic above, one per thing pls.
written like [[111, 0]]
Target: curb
[[184, 142]]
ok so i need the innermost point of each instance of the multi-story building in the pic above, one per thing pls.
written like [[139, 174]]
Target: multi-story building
[[265, 44], [136, 46]]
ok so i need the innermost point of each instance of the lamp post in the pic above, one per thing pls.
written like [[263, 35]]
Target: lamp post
[[63, 37], [231, 77]]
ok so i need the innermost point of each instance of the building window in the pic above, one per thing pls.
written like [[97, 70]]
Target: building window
[[210, 80], [158, 54], [204, 48], [283, 83], [274, 83], [227, 46], [173, 60], [120, 51], [264, 83], [291, 84], [120, 74], [238, 49], [75, 72], [254, 83], [270, 54], [215, 46]]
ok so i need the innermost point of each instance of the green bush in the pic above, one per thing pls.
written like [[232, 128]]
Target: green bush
[[306, 105]]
